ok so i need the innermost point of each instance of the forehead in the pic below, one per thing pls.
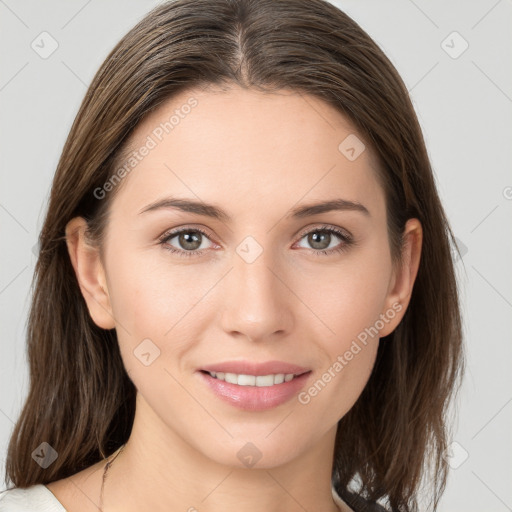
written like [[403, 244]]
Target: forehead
[[248, 150]]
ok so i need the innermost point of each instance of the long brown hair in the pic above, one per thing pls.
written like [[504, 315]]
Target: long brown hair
[[81, 400]]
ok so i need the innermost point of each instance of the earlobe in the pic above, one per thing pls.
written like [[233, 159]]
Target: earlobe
[[90, 273], [404, 275]]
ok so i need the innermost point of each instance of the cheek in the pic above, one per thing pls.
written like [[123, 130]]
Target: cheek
[[150, 294], [155, 297], [348, 340], [346, 296], [157, 322], [348, 300]]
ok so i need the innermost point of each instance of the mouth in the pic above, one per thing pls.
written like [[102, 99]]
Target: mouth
[[254, 392]]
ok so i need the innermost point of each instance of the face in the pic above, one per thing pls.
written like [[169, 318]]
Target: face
[[259, 281]]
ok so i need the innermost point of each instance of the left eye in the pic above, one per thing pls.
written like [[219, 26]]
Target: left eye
[[321, 239]]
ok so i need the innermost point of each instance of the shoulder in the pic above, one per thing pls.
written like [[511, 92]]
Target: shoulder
[[36, 498]]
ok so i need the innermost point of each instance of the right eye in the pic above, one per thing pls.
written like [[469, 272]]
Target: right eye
[[190, 240]]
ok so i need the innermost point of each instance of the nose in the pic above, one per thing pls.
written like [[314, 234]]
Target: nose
[[257, 304]]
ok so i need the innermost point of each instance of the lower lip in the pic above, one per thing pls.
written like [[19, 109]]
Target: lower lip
[[254, 398]]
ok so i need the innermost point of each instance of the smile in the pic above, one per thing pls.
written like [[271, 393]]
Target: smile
[[253, 380], [254, 392]]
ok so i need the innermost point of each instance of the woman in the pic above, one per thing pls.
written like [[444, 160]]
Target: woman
[[245, 295]]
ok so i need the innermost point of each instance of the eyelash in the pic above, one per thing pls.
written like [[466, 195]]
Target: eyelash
[[346, 239]]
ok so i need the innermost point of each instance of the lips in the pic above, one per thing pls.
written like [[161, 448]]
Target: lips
[[252, 397]]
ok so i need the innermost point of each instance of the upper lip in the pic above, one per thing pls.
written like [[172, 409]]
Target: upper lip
[[253, 368]]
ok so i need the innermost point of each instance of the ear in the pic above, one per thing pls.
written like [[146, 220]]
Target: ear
[[90, 273], [403, 277]]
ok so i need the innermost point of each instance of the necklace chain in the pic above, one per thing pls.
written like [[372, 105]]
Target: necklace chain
[[107, 467]]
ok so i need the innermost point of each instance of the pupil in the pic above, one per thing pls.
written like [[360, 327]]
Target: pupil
[[190, 240], [317, 239]]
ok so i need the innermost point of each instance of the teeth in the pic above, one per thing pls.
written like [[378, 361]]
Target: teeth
[[252, 380]]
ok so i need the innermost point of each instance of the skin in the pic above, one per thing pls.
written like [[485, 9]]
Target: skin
[[257, 156]]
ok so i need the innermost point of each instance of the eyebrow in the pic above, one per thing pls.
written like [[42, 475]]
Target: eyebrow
[[215, 212]]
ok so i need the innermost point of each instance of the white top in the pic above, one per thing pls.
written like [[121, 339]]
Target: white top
[[38, 498]]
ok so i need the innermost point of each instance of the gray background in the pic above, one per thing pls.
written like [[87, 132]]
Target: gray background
[[464, 103]]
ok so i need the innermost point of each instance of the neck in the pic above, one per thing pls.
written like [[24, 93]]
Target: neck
[[169, 474]]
